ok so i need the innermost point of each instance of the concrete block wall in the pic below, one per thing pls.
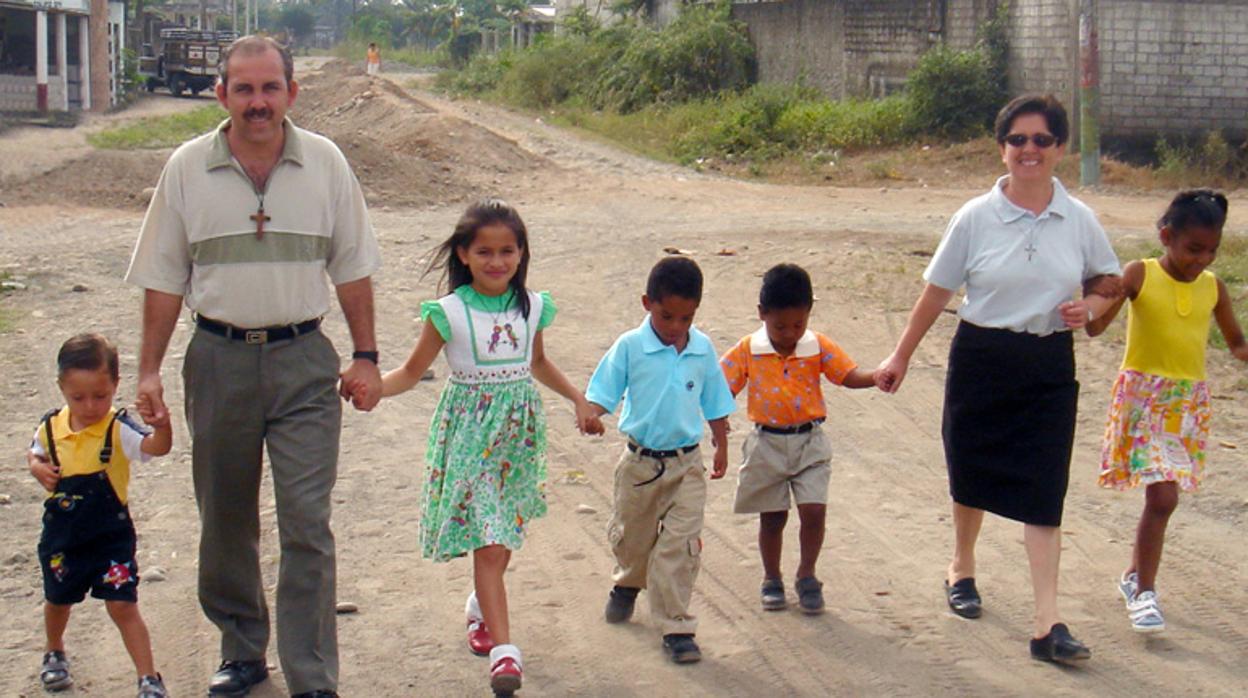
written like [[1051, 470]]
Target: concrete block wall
[[883, 40], [1174, 66], [17, 93], [798, 41], [1044, 48]]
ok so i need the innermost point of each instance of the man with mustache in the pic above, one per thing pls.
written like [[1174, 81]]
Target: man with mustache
[[258, 371]]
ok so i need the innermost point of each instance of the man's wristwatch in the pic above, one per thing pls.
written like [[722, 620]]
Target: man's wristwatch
[[370, 355]]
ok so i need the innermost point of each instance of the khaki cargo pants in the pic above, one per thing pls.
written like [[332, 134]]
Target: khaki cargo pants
[[655, 532]]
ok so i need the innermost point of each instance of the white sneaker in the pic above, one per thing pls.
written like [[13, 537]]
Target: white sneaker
[[1145, 613], [1128, 585]]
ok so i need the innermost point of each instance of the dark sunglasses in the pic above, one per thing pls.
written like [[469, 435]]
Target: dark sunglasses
[[1042, 140]]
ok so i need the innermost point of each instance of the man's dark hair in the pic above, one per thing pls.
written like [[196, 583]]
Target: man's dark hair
[[675, 276], [1045, 105], [251, 45], [87, 352], [786, 286]]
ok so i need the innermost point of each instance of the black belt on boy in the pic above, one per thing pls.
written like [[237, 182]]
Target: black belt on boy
[[659, 456], [259, 335], [795, 429], [654, 453]]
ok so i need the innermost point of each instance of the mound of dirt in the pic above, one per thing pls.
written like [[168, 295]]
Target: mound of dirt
[[403, 151]]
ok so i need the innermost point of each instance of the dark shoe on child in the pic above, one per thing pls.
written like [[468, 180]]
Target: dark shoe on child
[[54, 674], [620, 604], [1059, 646], [316, 694], [963, 598], [772, 595], [152, 687], [235, 678], [810, 595], [681, 648]]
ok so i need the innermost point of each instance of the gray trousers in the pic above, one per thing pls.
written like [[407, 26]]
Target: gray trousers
[[239, 398]]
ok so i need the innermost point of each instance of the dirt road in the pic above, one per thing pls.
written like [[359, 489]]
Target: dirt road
[[599, 218]]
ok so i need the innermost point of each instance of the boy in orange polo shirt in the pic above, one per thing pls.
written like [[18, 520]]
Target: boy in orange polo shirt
[[787, 451]]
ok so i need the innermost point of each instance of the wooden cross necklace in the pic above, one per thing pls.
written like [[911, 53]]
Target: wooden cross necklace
[[259, 217]]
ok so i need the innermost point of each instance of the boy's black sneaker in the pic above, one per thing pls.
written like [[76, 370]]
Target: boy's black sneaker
[[681, 648], [235, 678], [620, 604]]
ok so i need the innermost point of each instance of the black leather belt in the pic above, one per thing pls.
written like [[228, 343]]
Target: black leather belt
[[652, 453], [260, 335], [796, 429]]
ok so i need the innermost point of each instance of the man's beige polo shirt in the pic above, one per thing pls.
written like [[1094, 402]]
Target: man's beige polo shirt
[[199, 241]]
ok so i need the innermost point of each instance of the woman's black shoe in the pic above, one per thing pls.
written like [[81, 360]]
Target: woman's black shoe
[[1058, 646], [963, 598]]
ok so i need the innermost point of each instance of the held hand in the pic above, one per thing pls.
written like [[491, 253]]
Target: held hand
[[150, 400], [587, 422], [361, 383], [43, 470], [1075, 314], [890, 373], [720, 464]]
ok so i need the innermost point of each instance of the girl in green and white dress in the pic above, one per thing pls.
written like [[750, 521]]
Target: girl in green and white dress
[[486, 458]]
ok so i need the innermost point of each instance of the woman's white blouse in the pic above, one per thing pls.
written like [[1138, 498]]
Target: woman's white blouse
[[1018, 267]]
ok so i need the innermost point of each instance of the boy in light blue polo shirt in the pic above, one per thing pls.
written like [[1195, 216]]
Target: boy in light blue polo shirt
[[668, 376]]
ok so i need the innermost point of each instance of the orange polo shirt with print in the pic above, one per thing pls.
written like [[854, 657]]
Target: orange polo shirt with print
[[785, 390]]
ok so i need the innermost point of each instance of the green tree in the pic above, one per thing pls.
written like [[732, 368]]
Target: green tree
[[298, 20]]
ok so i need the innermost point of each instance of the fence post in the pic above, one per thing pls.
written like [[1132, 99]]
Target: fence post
[[1089, 97]]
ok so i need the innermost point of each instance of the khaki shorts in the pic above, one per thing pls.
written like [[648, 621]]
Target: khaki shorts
[[777, 463]]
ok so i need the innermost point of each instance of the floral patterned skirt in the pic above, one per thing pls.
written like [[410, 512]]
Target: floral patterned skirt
[[1157, 431], [485, 468]]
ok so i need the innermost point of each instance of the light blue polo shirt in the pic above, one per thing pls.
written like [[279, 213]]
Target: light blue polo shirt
[[667, 395]]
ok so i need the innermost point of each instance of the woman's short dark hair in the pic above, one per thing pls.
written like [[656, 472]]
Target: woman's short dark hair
[[675, 276], [1046, 105], [87, 352], [786, 286], [1203, 208]]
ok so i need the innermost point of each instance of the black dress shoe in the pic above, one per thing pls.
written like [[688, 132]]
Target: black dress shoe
[[620, 604], [235, 678], [963, 598], [316, 694], [1058, 646]]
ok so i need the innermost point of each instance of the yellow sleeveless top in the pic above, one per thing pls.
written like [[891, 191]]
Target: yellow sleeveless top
[[1168, 324], [79, 451]]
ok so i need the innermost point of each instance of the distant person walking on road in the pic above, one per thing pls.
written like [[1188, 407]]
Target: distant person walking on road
[[258, 371], [373, 62]]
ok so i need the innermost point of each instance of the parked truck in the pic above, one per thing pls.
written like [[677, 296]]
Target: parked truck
[[184, 59]]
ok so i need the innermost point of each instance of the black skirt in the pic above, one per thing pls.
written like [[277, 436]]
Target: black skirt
[[1009, 422]]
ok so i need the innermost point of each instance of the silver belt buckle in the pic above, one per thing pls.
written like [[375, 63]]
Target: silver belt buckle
[[256, 336]]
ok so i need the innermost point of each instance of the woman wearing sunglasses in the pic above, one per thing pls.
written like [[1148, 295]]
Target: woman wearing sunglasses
[[1023, 252]]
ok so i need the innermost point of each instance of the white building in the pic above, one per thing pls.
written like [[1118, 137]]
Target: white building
[[61, 55]]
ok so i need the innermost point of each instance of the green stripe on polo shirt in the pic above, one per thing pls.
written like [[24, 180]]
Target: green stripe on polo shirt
[[273, 248]]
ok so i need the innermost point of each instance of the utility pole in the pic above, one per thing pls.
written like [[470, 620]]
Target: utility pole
[[1089, 96]]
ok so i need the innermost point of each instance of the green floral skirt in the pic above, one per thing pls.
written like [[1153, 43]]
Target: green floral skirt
[[486, 468]]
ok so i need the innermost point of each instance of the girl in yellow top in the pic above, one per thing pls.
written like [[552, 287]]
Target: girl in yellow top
[[1159, 411]]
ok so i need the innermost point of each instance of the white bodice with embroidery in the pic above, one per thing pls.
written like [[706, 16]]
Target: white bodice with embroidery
[[490, 347]]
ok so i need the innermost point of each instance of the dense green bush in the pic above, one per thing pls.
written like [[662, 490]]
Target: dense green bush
[[770, 120], [953, 93], [701, 53]]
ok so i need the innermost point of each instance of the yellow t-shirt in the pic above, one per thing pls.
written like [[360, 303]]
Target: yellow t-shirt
[[1168, 324], [374, 56], [79, 451]]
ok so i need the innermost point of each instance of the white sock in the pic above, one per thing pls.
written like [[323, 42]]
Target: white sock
[[501, 651], [472, 609]]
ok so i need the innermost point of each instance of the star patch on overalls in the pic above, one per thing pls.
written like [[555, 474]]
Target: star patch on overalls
[[118, 574]]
